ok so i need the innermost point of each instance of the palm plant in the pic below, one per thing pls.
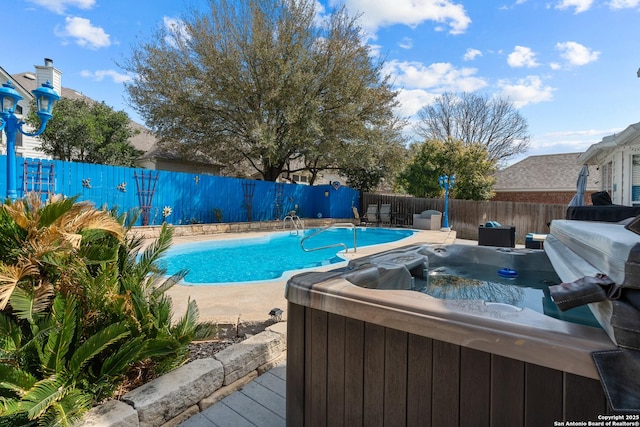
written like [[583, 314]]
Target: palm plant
[[82, 306]]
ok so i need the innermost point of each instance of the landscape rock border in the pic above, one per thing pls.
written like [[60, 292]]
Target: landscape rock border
[[178, 395]]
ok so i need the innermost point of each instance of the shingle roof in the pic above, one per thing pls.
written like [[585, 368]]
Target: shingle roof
[[144, 141], [555, 172]]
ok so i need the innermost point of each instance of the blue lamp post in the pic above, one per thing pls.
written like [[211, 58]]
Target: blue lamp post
[[9, 97], [446, 183]]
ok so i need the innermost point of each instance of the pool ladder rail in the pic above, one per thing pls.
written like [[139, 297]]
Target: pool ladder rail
[[296, 223], [322, 230]]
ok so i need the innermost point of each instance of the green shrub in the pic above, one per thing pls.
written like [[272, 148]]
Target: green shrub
[[82, 308]]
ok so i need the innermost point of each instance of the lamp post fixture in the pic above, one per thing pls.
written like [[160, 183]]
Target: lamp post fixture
[[446, 183], [9, 97]]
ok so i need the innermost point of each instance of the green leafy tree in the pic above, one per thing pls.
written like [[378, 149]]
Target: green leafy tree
[[82, 308], [374, 160], [89, 132], [263, 83], [476, 119], [469, 162]]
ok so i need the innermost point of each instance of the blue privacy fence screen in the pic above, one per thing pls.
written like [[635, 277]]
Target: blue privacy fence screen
[[193, 198]]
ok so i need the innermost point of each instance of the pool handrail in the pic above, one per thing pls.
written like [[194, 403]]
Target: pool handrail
[[296, 223], [322, 230]]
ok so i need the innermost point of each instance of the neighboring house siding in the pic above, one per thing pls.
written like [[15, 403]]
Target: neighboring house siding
[[615, 156]]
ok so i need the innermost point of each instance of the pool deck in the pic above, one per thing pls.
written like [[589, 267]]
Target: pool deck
[[262, 402], [252, 302]]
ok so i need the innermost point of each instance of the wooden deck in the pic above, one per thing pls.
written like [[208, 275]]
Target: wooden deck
[[259, 403]]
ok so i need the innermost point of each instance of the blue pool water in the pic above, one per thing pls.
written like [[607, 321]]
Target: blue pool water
[[268, 257]]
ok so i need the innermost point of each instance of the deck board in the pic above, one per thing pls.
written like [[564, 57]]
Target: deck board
[[261, 403]]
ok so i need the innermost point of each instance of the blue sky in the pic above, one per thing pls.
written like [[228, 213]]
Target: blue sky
[[569, 66]]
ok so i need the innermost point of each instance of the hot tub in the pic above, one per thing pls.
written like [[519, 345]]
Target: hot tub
[[366, 347]]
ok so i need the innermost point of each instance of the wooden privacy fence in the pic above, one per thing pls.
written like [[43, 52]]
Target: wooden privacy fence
[[177, 197], [466, 215]]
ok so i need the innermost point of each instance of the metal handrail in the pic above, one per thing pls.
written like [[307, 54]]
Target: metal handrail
[[293, 218], [322, 230]]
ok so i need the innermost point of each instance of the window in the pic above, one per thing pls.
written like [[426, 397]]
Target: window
[[635, 179]]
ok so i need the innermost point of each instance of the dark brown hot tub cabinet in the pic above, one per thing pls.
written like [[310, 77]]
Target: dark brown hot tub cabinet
[[369, 357]]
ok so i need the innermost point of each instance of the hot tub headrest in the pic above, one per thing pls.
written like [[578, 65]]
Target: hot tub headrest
[[387, 276], [390, 270]]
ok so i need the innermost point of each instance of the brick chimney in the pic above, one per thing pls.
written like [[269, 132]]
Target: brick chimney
[[47, 72]]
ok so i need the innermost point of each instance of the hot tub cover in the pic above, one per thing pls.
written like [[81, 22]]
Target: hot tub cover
[[609, 247], [581, 250]]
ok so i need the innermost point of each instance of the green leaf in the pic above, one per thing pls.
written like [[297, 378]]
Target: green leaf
[[68, 410], [65, 317], [42, 395], [185, 329], [52, 211], [160, 347], [97, 343], [15, 379], [10, 335], [117, 363]]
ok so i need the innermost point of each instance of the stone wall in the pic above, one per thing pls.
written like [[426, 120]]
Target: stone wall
[[149, 232], [173, 398]]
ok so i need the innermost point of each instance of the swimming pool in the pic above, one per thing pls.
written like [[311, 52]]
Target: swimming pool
[[269, 257]]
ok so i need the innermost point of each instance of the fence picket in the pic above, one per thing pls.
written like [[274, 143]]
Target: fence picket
[[192, 197], [466, 215]]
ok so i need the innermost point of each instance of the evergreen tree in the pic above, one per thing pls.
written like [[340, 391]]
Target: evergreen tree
[[90, 132], [265, 83]]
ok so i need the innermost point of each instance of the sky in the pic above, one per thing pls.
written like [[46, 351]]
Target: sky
[[569, 66]]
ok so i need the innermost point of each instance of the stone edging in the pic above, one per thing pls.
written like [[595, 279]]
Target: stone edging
[[178, 395], [153, 231]]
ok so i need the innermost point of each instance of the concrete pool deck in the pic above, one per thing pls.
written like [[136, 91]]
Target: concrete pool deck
[[249, 303]]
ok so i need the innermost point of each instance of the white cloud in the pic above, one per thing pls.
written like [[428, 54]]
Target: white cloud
[[439, 77], [100, 75], [85, 34], [577, 54], [624, 4], [412, 100], [375, 50], [471, 54], [382, 13], [406, 43], [177, 28], [59, 6], [529, 90], [580, 5], [522, 57]]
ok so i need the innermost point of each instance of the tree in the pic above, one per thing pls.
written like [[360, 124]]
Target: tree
[[469, 162], [476, 119], [260, 82], [90, 132], [376, 159]]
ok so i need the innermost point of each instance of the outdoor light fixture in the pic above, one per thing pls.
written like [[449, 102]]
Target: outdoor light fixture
[[276, 314], [446, 183], [9, 97]]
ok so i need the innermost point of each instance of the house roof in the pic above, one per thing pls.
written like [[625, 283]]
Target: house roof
[[144, 140], [549, 172], [601, 149]]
